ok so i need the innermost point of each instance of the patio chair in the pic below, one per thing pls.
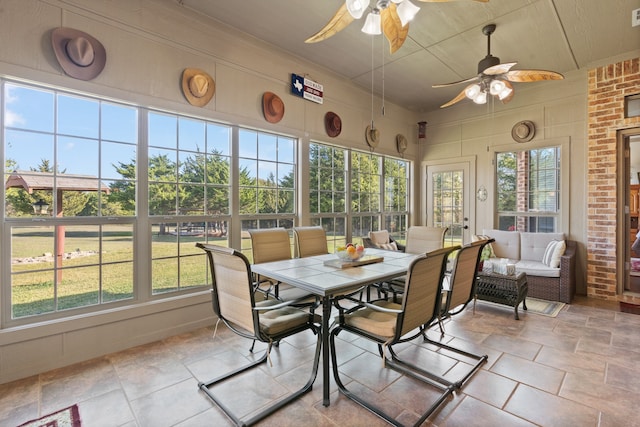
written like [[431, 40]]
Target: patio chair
[[310, 241], [268, 321], [273, 244], [387, 324], [461, 281], [420, 240], [381, 240]]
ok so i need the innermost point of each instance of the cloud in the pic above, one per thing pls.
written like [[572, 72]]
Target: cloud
[[13, 119]]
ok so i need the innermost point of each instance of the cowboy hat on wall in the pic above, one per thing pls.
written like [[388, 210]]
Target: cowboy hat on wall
[[332, 124], [80, 55], [272, 107], [197, 86]]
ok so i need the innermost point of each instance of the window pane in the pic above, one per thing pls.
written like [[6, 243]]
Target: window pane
[[78, 116], [31, 109], [528, 184], [119, 123]]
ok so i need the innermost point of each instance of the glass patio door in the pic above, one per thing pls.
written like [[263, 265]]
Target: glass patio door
[[448, 201]]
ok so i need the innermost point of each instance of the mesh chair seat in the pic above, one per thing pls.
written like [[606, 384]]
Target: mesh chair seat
[[379, 323]]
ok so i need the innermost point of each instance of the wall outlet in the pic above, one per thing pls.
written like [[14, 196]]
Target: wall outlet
[[635, 17]]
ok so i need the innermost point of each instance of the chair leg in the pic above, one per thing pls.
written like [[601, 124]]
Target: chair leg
[[480, 360], [446, 390], [206, 387]]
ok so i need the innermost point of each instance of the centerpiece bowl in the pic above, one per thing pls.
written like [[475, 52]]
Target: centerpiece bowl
[[350, 252]]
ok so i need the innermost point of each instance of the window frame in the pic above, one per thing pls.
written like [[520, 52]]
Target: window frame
[[564, 145]]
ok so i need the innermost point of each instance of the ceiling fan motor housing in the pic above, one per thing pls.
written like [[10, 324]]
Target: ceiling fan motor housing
[[486, 62]]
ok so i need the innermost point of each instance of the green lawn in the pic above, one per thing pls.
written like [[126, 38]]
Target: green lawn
[[96, 277]]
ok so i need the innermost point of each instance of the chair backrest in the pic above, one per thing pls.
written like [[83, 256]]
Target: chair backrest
[[422, 290], [310, 241], [379, 237], [270, 244], [423, 239], [232, 298], [464, 274]]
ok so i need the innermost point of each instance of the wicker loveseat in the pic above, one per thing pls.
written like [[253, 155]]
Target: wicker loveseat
[[526, 251]]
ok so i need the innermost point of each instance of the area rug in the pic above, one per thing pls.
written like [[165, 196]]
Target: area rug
[[67, 417], [543, 307]]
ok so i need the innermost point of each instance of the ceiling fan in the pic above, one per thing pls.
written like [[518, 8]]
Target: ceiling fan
[[495, 78], [389, 16]]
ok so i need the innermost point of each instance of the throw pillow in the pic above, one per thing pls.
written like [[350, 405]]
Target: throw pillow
[[388, 246], [554, 251], [477, 237]]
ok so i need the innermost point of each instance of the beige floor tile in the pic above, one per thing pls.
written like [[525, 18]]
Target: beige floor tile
[[579, 368]]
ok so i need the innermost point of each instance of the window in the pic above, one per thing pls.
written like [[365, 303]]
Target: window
[[267, 182], [63, 152], [189, 165], [528, 190], [396, 197], [366, 172], [335, 201], [328, 192]]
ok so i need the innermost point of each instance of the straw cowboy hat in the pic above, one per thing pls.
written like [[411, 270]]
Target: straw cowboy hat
[[272, 107], [332, 124], [197, 86], [80, 55], [372, 135], [523, 131]]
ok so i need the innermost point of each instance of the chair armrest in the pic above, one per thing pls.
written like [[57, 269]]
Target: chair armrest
[[568, 272], [283, 304]]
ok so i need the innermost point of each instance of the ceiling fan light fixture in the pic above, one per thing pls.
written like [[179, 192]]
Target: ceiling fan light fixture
[[481, 98], [356, 7], [372, 25], [407, 11], [472, 91], [496, 87], [504, 93]]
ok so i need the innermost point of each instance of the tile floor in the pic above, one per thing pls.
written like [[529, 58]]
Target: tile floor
[[581, 368]]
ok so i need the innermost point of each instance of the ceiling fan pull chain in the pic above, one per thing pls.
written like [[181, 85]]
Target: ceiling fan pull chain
[[382, 50]]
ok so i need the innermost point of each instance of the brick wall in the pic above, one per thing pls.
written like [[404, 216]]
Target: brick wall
[[607, 88]]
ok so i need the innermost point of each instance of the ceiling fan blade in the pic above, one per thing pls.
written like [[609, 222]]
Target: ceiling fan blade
[[499, 69], [458, 98], [471, 79], [392, 27], [527, 76], [340, 20], [510, 96]]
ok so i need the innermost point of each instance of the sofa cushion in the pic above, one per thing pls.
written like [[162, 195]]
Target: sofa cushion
[[507, 244], [391, 246], [488, 247], [536, 268], [553, 253], [533, 245]]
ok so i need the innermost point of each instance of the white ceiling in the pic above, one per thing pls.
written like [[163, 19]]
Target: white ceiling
[[445, 41]]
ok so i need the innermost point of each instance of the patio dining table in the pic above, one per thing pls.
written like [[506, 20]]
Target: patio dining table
[[325, 281]]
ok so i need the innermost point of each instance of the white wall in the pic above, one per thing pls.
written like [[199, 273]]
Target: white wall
[[148, 44]]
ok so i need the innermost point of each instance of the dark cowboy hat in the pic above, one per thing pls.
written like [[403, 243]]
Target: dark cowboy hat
[[332, 124], [272, 107], [80, 55]]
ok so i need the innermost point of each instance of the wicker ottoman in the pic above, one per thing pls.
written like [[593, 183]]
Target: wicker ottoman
[[508, 290]]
